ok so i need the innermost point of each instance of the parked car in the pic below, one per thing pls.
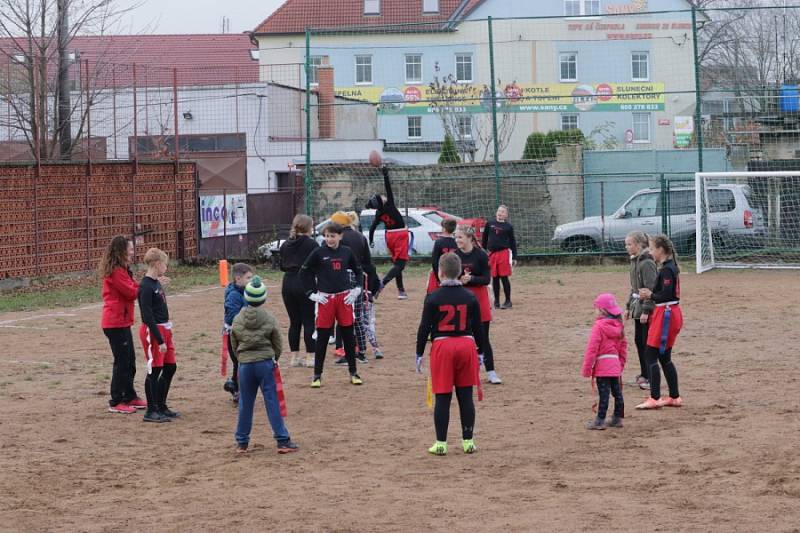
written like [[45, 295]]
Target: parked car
[[424, 223], [734, 220]]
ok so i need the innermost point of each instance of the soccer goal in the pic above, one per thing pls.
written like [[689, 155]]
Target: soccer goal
[[747, 220]]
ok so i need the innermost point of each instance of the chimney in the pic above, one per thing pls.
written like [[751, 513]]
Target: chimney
[[327, 100]]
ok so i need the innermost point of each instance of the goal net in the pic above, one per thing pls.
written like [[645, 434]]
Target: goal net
[[747, 220]]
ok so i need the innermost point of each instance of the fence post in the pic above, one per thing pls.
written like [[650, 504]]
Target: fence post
[[177, 155], [493, 88], [664, 207], [135, 126], [88, 122], [602, 217], [698, 117], [308, 184], [225, 223]]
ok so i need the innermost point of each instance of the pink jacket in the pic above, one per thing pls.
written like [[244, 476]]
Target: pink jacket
[[607, 339]]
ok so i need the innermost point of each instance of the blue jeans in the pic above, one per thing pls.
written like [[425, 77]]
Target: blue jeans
[[253, 376]]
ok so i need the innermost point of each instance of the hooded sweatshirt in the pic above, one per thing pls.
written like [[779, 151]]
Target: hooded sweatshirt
[[255, 336], [607, 338], [294, 252]]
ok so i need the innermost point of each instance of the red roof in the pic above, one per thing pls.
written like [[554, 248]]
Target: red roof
[[200, 59], [294, 16]]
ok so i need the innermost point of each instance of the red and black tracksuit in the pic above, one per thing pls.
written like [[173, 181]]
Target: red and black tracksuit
[[665, 324], [498, 239], [156, 330], [326, 271], [293, 253], [476, 264], [397, 236], [119, 293], [451, 318], [443, 245]]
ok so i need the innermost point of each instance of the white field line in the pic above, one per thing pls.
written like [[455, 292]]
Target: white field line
[[16, 362], [23, 327], [36, 317]]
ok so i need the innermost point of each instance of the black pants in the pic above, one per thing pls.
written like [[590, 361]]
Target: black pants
[[349, 338], [612, 386], [640, 336], [235, 360], [486, 349], [124, 370], [670, 372], [301, 312], [506, 288], [441, 413], [396, 272]]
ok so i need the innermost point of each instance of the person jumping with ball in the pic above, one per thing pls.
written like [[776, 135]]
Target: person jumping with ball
[[397, 237]]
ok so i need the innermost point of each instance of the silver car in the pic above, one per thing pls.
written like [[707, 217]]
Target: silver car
[[734, 220]]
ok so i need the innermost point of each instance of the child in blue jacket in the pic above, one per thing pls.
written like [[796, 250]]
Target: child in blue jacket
[[234, 302]]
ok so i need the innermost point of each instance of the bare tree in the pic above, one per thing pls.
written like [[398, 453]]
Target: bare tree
[[36, 85]]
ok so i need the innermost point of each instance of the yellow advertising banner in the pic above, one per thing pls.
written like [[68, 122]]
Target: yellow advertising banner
[[514, 98]]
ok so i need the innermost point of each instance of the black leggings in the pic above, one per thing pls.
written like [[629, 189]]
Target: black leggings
[[441, 413], [396, 272], [349, 338], [124, 369], [301, 312], [506, 288], [670, 372], [235, 360], [486, 349], [605, 386], [640, 335], [156, 386]]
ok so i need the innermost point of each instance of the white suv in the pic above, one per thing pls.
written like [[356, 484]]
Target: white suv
[[734, 221]]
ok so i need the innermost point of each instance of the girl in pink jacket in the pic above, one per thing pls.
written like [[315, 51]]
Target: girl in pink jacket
[[604, 361]]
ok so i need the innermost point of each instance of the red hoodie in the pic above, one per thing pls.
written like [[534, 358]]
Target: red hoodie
[[119, 294]]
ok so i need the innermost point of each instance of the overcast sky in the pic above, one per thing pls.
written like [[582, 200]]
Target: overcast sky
[[198, 16]]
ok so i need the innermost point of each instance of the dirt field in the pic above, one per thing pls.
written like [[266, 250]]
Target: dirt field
[[727, 461]]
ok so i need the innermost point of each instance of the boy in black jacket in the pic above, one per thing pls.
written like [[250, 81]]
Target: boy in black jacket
[[327, 283]]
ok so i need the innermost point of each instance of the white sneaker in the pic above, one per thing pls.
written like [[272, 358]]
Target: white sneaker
[[494, 379]]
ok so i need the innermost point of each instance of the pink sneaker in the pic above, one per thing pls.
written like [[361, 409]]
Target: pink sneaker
[[138, 403], [670, 402], [121, 407], [649, 403], [339, 352]]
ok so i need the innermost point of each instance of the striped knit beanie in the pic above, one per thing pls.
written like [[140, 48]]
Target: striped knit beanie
[[255, 293]]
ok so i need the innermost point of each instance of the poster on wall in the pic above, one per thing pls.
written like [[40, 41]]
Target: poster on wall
[[217, 219], [684, 130]]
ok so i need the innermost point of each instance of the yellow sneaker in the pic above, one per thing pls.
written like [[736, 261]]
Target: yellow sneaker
[[355, 380], [438, 448], [469, 446], [316, 383]]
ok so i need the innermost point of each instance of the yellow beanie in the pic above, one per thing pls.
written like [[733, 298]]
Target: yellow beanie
[[341, 218]]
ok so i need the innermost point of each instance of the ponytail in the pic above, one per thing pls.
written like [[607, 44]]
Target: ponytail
[[300, 225]]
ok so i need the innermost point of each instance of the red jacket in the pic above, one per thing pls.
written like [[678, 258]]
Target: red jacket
[[119, 294]]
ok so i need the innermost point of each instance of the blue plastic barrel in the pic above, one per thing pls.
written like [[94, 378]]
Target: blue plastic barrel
[[790, 99]]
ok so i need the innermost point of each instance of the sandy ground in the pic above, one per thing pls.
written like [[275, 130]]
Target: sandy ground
[[727, 461]]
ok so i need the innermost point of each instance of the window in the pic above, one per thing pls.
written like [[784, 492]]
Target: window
[[643, 205], [569, 121], [720, 201], [641, 127], [363, 70], [430, 6], [568, 66], [464, 68], [372, 7], [411, 222], [578, 8], [465, 127], [591, 7], [414, 127], [314, 63], [680, 203], [640, 66], [413, 68]]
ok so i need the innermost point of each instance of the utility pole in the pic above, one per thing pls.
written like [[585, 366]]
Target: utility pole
[[63, 121]]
